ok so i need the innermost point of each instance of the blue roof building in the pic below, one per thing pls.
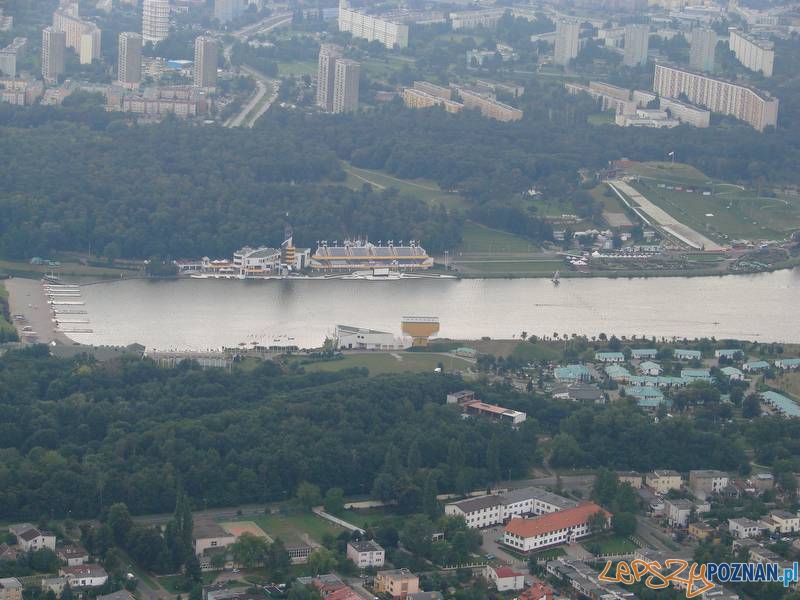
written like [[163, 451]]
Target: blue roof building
[[728, 353], [636, 391], [648, 367], [641, 353], [756, 365], [788, 363], [658, 381], [617, 357], [782, 404], [617, 373], [572, 373], [732, 372], [692, 375], [687, 354]]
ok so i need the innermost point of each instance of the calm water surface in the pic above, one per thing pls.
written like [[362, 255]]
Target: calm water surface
[[201, 314]]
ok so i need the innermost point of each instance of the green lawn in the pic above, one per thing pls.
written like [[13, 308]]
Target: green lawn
[[366, 517], [424, 189], [518, 267], [380, 363], [177, 583], [383, 68], [550, 554], [292, 528], [23, 267], [609, 545], [481, 239], [4, 325], [297, 68], [603, 118]]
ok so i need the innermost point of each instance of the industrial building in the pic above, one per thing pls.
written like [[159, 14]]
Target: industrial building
[[365, 255], [361, 25], [348, 337], [746, 104], [756, 54]]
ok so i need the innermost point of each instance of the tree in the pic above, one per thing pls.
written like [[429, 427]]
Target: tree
[[493, 459], [334, 501], [624, 524], [416, 535], [279, 561], [430, 505], [598, 521], [321, 560], [250, 550], [308, 495], [751, 407], [299, 591], [605, 487], [119, 522], [66, 593]]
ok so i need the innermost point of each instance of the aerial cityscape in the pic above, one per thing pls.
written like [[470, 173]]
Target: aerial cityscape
[[399, 299]]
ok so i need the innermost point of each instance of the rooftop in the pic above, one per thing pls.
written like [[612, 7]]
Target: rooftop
[[206, 528], [535, 493], [570, 517], [479, 503], [366, 546]]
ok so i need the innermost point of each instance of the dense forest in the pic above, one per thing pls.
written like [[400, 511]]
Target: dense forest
[[78, 436], [173, 190]]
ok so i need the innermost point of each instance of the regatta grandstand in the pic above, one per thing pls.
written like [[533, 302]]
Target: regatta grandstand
[[364, 255]]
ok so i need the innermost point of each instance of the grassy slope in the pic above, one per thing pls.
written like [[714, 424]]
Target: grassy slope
[[380, 363]]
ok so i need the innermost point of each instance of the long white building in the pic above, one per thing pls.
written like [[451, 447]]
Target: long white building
[[755, 54], [486, 511], [368, 27], [747, 104], [686, 113]]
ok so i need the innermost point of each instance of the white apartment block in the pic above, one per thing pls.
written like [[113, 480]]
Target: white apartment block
[[677, 511], [747, 104], [368, 27], [90, 44], [155, 20], [326, 74], [366, 554], [743, 528], [702, 49], [345, 86], [703, 483], [637, 42], [472, 19], [491, 109], [485, 511], [414, 98], [567, 41], [754, 54], [781, 521], [686, 113]]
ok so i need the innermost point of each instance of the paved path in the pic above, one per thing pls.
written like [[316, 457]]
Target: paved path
[[26, 297], [662, 218]]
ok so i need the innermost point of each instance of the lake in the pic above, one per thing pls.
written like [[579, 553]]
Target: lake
[[205, 314]]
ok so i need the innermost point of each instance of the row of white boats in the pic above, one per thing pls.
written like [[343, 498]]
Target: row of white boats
[[371, 275], [66, 302]]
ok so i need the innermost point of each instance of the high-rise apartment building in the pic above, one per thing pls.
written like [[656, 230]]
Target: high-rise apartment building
[[368, 27], [54, 44], [747, 104], [345, 86], [155, 20], [637, 41], [226, 11], [205, 62], [567, 40], [90, 44], [754, 54], [129, 62], [702, 48], [326, 75], [8, 57]]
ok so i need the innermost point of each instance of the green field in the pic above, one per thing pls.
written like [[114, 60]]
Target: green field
[[5, 325], [177, 583], [24, 268], [602, 118], [367, 517], [295, 528], [383, 68], [398, 362], [297, 68], [477, 238], [424, 189], [736, 212], [609, 545]]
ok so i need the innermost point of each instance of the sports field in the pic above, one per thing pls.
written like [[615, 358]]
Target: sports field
[[237, 528], [297, 528], [396, 362]]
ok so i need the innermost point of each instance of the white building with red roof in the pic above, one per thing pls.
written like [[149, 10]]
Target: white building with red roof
[[527, 535], [504, 578]]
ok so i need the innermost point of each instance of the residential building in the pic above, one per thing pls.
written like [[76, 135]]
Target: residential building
[[21, 92], [155, 20], [398, 583], [492, 411], [226, 11], [504, 579], [460, 397], [579, 392], [632, 478], [681, 353], [31, 539], [644, 117], [609, 357], [781, 404], [359, 338], [584, 581], [490, 108], [704, 483], [644, 353], [471, 19], [662, 481], [73, 556], [696, 374], [728, 353], [54, 45], [617, 373], [612, 98], [90, 575], [743, 528], [10, 589], [567, 41], [8, 57], [425, 596], [755, 54], [345, 86], [788, 363], [414, 98], [9, 553], [781, 521], [637, 40], [67, 19], [700, 531], [537, 591], [366, 553], [119, 595], [643, 99], [205, 62], [129, 63], [155, 103], [732, 373], [434, 90], [54, 584], [746, 104], [755, 366], [526, 535], [762, 481], [572, 373], [649, 367], [678, 511], [685, 113], [485, 511], [362, 25], [90, 44], [208, 535], [702, 49], [326, 74]]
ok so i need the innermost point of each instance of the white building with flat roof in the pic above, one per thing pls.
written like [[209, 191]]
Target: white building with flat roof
[[686, 113], [348, 337], [369, 27], [366, 554], [567, 41], [755, 54]]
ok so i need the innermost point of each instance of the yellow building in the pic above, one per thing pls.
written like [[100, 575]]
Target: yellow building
[[398, 583], [700, 531], [420, 329]]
